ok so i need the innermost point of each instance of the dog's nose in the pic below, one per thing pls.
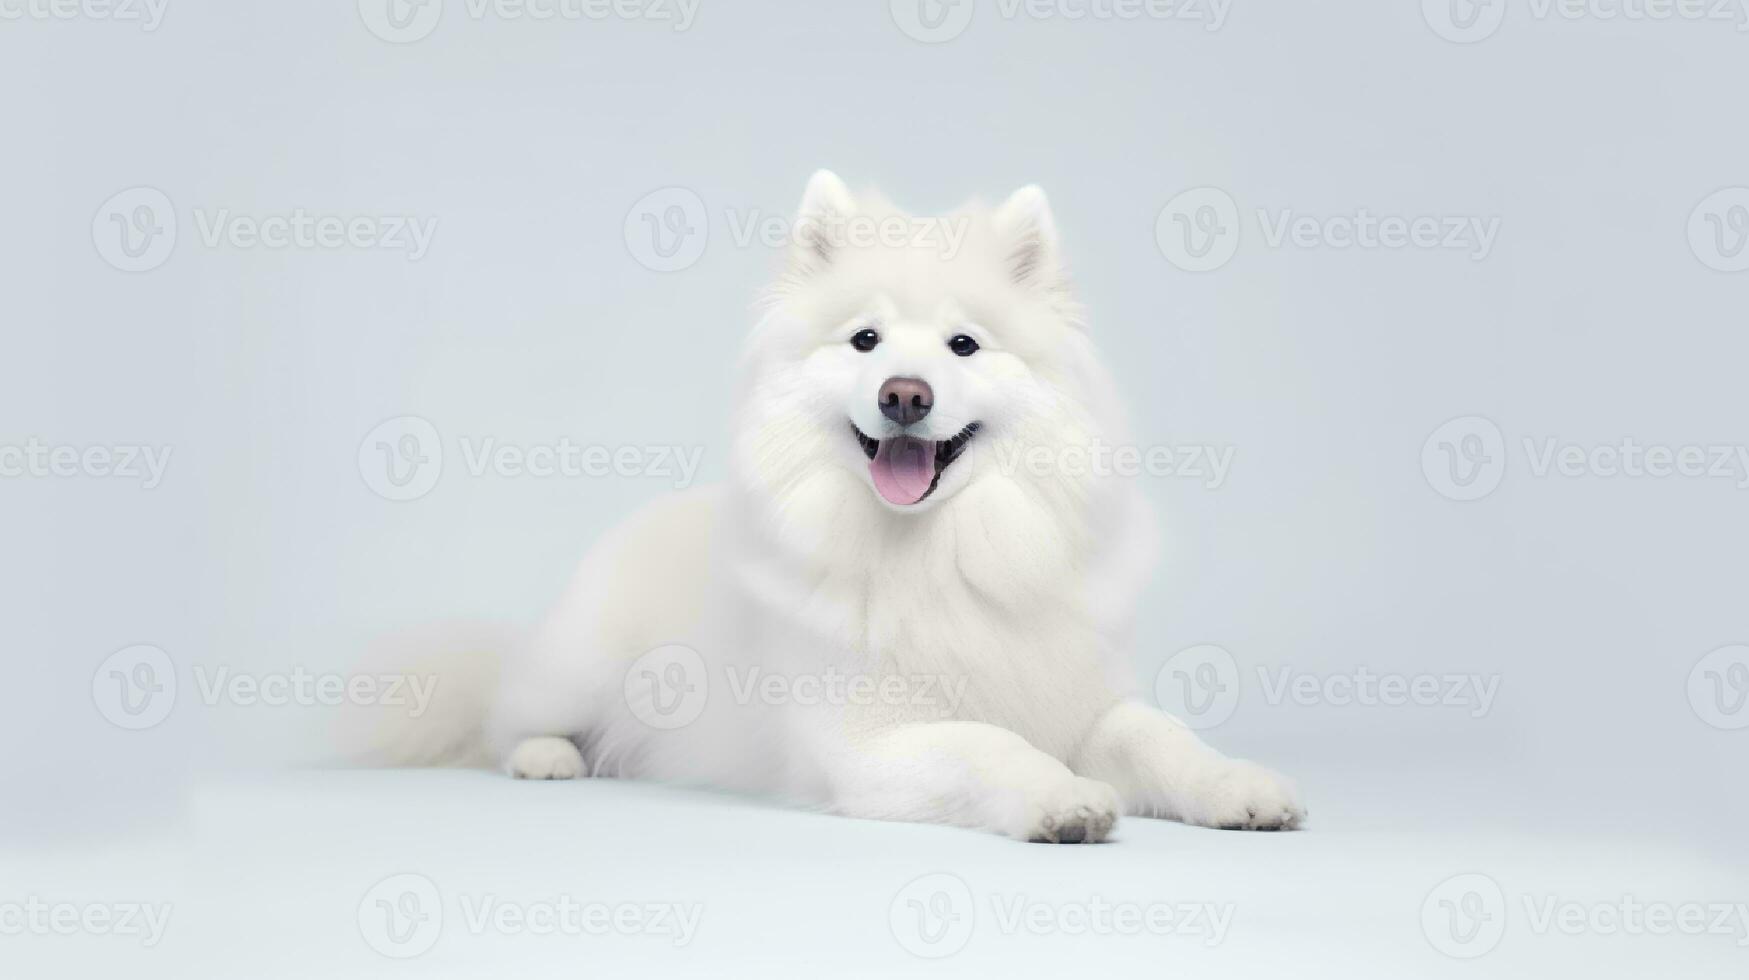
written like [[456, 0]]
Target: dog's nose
[[906, 400]]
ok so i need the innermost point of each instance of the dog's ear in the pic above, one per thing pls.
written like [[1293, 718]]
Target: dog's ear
[[826, 205], [1029, 234]]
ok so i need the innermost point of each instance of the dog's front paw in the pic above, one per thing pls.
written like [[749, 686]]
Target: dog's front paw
[[1239, 795], [1076, 811], [546, 757]]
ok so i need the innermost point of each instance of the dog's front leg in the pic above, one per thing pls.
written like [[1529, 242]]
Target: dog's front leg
[[970, 774], [1161, 769]]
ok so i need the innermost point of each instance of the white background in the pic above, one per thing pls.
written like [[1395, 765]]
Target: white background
[[1588, 599]]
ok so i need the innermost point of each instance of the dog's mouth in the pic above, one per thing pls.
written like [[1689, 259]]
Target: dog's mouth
[[906, 469]]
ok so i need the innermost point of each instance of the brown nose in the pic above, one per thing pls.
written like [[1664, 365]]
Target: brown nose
[[906, 400]]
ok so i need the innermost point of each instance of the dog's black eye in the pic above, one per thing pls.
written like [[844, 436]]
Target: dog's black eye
[[865, 340], [963, 345]]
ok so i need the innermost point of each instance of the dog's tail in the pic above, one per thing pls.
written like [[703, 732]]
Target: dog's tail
[[450, 673]]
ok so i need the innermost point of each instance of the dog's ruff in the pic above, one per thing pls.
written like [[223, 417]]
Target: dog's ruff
[[958, 660]]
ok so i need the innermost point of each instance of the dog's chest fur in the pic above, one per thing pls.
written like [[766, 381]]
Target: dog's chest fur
[[969, 623]]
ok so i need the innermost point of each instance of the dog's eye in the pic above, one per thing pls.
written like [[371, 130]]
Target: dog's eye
[[865, 340], [963, 345]]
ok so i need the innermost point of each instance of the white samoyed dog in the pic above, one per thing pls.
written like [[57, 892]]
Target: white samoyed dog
[[906, 603]]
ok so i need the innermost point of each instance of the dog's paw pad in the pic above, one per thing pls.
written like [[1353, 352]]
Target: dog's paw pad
[[1245, 796], [1083, 812], [546, 757]]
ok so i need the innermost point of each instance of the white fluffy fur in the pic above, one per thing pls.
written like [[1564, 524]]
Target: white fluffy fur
[[1020, 586]]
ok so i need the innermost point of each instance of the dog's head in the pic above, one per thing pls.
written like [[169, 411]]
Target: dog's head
[[909, 364]]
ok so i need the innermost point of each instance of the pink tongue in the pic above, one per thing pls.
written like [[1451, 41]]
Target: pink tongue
[[903, 469]]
